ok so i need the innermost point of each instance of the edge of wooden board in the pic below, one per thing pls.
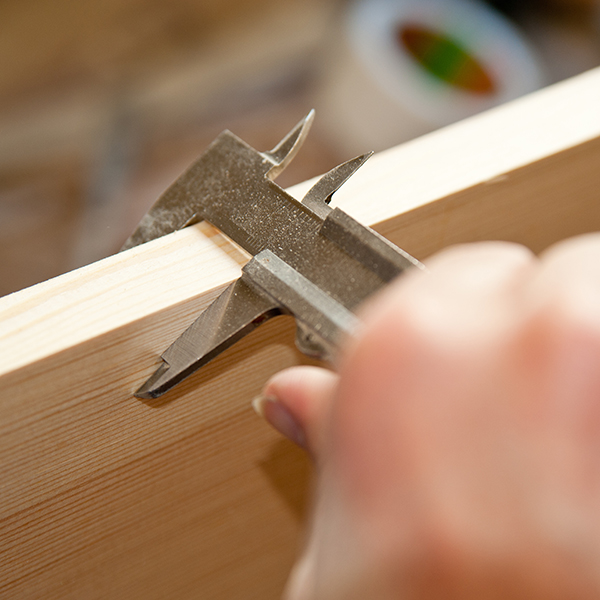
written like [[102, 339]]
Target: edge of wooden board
[[198, 261]]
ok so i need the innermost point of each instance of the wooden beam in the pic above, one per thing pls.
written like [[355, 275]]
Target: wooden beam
[[103, 495]]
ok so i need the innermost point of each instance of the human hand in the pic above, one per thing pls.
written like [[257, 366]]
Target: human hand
[[458, 447]]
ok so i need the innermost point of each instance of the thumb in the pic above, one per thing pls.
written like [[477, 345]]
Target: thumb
[[296, 401]]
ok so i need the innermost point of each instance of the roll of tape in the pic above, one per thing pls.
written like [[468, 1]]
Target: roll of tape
[[406, 67]]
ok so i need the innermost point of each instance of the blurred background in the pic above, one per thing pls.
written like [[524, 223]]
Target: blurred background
[[103, 103]]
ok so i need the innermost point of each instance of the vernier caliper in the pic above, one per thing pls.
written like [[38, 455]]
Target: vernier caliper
[[309, 260]]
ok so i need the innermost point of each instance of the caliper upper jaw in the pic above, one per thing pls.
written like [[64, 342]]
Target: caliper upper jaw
[[179, 206], [284, 152]]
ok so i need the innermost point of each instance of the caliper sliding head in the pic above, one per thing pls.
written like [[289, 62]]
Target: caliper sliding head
[[309, 260]]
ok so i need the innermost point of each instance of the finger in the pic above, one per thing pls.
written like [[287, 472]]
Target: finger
[[463, 287], [415, 397], [296, 401], [562, 341], [569, 279]]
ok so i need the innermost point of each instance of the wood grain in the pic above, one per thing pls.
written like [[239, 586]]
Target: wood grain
[[106, 496]]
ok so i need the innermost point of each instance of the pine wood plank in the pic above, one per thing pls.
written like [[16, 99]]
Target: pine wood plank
[[103, 495]]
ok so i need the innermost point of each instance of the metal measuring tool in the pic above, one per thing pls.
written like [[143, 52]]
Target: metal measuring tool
[[310, 261]]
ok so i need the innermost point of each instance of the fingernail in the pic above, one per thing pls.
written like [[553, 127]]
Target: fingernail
[[278, 416]]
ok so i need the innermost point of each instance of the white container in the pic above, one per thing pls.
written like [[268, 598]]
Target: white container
[[385, 84]]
